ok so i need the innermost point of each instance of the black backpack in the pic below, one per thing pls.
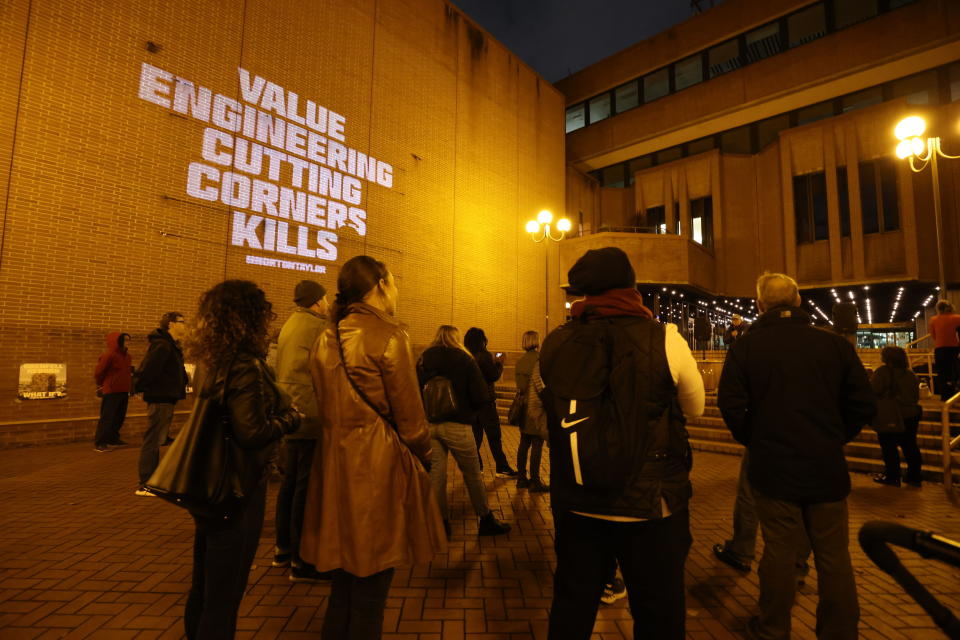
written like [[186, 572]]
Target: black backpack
[[601, 421], [439, 399]]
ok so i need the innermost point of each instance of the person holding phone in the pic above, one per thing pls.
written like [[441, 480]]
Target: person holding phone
[[487, 419]]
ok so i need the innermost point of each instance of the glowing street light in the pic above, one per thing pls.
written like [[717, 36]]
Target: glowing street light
[[909, 131], [539, 231]]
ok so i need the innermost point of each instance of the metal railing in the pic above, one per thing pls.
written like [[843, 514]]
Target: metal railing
[[948, 446]]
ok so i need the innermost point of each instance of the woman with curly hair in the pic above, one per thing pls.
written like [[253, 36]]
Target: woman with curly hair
[[235, 388], [370, 505]]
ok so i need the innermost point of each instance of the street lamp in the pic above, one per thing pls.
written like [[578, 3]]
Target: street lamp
[[909, 131], [539, 231]]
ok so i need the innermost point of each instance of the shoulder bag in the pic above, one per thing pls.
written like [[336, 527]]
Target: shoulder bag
[[889, 418], [439, 399], [197, 472], [518, 408]]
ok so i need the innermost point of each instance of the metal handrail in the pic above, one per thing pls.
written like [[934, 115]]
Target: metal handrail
[[948, 446], [910, 344]]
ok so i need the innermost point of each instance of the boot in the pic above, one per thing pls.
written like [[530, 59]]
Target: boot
[[523, 482], [538, 487], [490, 526]]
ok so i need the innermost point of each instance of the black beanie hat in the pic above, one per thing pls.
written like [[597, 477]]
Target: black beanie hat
[[308, 293], [600, 270]]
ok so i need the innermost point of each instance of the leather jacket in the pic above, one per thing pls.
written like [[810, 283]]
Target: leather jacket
[[370, 504]]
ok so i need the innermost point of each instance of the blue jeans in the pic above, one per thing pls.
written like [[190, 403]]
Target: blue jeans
[[457, 439]]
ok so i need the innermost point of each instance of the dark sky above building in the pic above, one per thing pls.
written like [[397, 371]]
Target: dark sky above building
[[558, 37]]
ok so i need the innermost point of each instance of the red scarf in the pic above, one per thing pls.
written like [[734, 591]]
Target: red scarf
[[615, 302]]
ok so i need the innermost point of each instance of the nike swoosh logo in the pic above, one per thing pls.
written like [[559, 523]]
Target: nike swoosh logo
[[567, 425]]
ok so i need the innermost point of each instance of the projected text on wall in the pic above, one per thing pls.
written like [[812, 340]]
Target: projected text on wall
[[281, 164]]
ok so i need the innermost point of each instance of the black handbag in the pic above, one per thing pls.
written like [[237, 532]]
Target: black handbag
[[518, 408], [201, 472], [439, 399], [889, 419]]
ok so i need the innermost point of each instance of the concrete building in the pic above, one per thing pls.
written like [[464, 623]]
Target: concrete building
[[151, 149], [759, 136]]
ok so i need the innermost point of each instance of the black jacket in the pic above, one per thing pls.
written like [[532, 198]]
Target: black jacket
[[794, 394], [161, 376], [463, 372]]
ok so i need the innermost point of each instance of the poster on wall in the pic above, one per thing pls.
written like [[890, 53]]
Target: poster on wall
[[42, 381]]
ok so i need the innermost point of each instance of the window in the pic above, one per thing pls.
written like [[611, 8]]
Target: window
[[701, 145], [861, 99], [807, 25], [763, 42], [676, 217], [769, 130], [687, 73], [627, 96], [810, 207], [921, 88], [669, 155], [736, 141], [656, 218], [843, 194], [600, 108], [656, 85], [575, 118], [815, 112], [613, 176], [724, 58], [848, 12], [638, 164], [878, 196], [701, 220]]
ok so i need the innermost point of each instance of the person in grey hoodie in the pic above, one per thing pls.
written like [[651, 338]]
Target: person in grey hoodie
[[297, 336]]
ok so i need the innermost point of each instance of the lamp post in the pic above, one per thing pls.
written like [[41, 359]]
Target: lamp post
[[909, 131], [540, 231]]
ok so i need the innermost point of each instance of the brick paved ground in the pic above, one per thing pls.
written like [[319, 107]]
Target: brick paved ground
[[82, 557]]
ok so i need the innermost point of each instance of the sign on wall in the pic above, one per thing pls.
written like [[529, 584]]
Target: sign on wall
[[42, 381], [280, 163]]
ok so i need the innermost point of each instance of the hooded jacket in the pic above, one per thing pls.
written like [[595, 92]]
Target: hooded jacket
[[113, 372], [161, 376]]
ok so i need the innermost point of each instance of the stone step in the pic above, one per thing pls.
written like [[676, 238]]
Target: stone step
[[866, 437], [932, 474]]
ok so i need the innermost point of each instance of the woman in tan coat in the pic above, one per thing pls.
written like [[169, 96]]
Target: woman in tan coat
[[370, 505]]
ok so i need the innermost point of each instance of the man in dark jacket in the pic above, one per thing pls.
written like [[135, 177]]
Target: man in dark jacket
[[617, 387], [162, 379], [794, 395], [113, 377], [296, 339]]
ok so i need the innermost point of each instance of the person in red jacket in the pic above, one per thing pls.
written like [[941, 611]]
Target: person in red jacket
[[113, 376], [946, 349]]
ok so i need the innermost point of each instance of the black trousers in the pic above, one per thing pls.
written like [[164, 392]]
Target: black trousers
[[945, 364], [534, 445], [292, 496], [889, 444], [113, 411], [223, 551], [651, 554], [488, 421], [355, 609]]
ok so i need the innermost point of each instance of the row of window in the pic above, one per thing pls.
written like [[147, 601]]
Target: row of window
[[878, 201], [701, 220], [932, 87], [787, 32]]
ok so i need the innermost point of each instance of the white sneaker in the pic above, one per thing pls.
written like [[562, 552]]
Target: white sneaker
[[143, 492]]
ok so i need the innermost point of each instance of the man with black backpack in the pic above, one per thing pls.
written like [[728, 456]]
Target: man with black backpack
[[617, 387]]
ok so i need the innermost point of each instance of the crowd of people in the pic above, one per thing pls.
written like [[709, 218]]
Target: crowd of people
[[366, 428]]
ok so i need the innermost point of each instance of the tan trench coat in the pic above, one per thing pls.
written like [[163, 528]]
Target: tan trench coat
[[370, 505]]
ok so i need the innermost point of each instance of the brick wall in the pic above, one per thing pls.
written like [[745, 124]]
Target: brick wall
[[99, 234]]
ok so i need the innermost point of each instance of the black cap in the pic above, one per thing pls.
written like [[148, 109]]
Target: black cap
[[308, 292], [600, 270]]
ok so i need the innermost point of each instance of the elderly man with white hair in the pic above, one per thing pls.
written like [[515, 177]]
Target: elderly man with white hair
[[794, 395]]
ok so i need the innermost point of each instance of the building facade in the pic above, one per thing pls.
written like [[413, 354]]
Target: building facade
[[151, 149], [759, 136]]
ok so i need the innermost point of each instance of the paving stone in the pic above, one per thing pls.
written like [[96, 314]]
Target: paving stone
[[108, 565]]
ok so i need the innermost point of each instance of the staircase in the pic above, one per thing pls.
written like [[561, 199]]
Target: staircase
[[709, 433]]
